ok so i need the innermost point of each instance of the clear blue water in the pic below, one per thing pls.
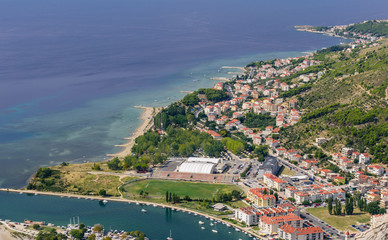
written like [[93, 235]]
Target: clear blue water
[[71, 70], [156, 223]]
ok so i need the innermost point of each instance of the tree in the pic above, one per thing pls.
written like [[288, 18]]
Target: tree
[[96, 167], [187, 198], [337, 208], [167, 196], [44, 173], [92, 236], [276, 196], [102, 192], [51, 235], [77, 233], [349, 206], [98, 228], [236, 194], [306, 202], [373, 208], [138, 235], [36, 226], [114, 164], [330, 205], [291, 199]]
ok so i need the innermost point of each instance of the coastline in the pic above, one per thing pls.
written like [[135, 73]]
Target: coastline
[[99, 198], [147, 123]]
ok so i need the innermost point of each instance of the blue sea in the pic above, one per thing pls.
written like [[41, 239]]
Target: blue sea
[[71, 71]]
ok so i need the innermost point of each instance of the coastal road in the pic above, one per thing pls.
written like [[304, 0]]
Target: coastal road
[[250, 75], [229, 89], [197, 112]]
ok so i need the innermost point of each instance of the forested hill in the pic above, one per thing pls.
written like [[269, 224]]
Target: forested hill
[[376, 28], [348, 105]]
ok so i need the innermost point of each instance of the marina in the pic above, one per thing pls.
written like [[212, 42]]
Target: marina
[[156, 223]]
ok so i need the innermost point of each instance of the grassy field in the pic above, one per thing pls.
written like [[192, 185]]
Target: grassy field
[[286, 171], [157, 189], [76, 178], [341, 222]]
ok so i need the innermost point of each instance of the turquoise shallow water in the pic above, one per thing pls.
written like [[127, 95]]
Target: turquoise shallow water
[[71, 70], [90, 131], [156, 223]]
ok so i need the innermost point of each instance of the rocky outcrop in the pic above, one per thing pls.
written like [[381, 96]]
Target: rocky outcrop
[[378, 230]]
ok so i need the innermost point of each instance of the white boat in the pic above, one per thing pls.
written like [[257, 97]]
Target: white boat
[[211, 224], [228, 225], [137, 203], [105, 201], [202, 228], [215, 231], [237, 230], [200, 222], [195, 214], [143, 210]]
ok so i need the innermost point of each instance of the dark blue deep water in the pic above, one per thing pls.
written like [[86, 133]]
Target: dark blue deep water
[[70, 71]]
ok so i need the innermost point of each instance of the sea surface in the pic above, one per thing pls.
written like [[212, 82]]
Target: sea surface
[[71, 71], [156, 223]]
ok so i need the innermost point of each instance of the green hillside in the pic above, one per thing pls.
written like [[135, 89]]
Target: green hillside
[[348, 105]]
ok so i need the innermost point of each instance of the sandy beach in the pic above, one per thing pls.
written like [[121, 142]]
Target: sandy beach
[[147, 123]]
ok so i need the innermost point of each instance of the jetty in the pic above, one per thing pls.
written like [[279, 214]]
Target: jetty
[[223, 79], [240, 68]]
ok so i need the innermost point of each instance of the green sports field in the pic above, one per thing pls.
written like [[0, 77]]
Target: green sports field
[[158, 188]]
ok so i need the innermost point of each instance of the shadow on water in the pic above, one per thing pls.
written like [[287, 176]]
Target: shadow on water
[[168, 214]]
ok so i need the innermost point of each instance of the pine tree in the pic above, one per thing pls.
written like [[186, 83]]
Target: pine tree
[[330, 205], [167, 196], [351, 207]]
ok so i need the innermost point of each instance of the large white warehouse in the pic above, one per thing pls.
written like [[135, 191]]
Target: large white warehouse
[[197, 167], [203, 160]]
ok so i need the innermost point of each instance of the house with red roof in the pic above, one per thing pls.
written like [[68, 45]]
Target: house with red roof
[[274, 182], [376, 169], [309, 163], [271, 224], [261, 197], [364, 158], [289, 232]]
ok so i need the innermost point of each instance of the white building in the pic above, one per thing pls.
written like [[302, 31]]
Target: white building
[[197, 167]]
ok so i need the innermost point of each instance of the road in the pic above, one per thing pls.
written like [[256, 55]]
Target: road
[[334, 233], [251, 72]]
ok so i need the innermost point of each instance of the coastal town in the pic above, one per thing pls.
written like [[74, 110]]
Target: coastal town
[[283, 192]]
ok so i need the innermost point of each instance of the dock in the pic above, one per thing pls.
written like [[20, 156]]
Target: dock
[[223, 79], [240, 68]]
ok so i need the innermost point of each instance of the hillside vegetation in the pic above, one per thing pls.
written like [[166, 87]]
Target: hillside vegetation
[[348, 105]]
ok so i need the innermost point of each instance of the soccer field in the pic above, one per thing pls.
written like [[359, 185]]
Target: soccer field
[[158, 188]]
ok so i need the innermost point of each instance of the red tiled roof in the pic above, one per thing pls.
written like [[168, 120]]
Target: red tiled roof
[[309, 230]]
